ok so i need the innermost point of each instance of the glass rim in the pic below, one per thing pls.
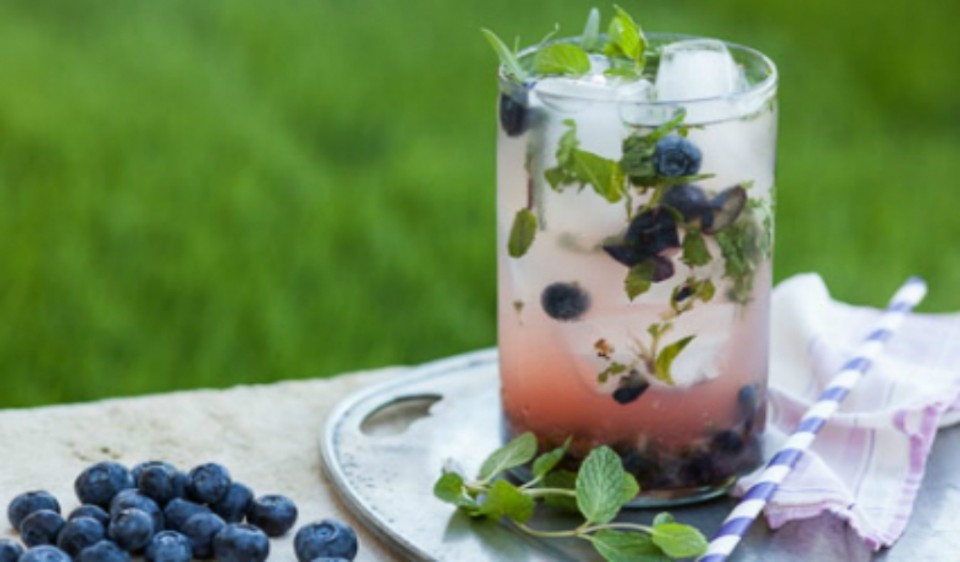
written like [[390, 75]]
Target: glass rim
[[764, 87]]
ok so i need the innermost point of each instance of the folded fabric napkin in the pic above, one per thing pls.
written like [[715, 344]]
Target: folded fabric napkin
[[868, 461]]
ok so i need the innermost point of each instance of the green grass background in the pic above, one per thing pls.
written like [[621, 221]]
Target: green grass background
[[237, 191]]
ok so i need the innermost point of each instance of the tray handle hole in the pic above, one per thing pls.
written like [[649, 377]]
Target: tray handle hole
[[397, 415]]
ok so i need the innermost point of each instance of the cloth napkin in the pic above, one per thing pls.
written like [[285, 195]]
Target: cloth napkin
[[867, 463]]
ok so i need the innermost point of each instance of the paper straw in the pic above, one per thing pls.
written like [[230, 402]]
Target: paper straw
[[752, 503]]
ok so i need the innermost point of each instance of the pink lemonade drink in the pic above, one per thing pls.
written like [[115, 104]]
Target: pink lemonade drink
[[635, 232]]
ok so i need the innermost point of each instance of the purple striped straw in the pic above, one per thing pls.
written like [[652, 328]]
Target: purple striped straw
[[752, 503]]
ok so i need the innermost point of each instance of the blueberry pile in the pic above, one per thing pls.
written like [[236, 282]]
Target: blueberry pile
[[165, 515]]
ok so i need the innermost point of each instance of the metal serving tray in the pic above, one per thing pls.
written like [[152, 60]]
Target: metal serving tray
[[384, 448]]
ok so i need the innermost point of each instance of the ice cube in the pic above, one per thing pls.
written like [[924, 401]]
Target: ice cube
[[569, 94], [696, 69], [634, 103]]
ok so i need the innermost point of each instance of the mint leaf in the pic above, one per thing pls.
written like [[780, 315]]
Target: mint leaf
[[590, 40], [522, 233], [665, 359], [563, 480], [637, 158], [678, 540], [662, 518], [600, 486], [517, 452], [548, 461], [695, 250], [561, 58], [583, 167], [625, 38], [706, 291], [507, 58], [639, 278], [630, 487], [602, 173], [506, 500], [449, 487], [611, 370], [568, 143], [618, 546]]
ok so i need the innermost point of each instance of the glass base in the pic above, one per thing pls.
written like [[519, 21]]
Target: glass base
[[671, 497], [674, 497]]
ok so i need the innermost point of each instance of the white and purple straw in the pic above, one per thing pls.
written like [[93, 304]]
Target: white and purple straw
[[752, 503]]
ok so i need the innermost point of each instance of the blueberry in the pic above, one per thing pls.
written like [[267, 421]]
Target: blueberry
[[675, 156], [30, 502], [652, 232], [325, 539], [99, 483], [103, 551], [45, 553], [93, 511], [136, 471], [514, 115], [630, 390], [564, 301], [626, 254], [727, 442], [162, 482], [642, 466], [274, 514], [131, 529], [201, 529], [169, 546], [234, 504], [41, 527], [179, 510], [80, 533], [688, 200], [208, 483], [699, 470], [133, 499], [662, 269], [10, 551], [726, 206], [241, 543]]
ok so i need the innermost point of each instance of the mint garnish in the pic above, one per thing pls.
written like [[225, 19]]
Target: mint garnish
[[508, 58], [598, 491], [625, 39], [516, 453], [600, 486], [561, 58], [677, 540]]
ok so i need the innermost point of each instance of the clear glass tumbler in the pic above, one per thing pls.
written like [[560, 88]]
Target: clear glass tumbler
[[635, 236]]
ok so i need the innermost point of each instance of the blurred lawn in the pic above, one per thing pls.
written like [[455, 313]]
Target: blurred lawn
[[221, 192]]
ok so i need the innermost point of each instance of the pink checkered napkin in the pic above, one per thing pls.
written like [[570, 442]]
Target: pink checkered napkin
[[868, 461]]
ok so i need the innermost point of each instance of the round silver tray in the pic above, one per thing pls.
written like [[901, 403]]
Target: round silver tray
[[385, 446]]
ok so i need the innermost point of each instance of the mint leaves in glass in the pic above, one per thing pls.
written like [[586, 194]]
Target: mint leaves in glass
[[635, 232]]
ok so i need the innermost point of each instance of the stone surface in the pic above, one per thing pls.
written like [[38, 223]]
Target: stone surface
[[267, 436]]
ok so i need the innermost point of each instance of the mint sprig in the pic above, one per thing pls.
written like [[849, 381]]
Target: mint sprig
[[508, 58], [598, 491], [561, 59]]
